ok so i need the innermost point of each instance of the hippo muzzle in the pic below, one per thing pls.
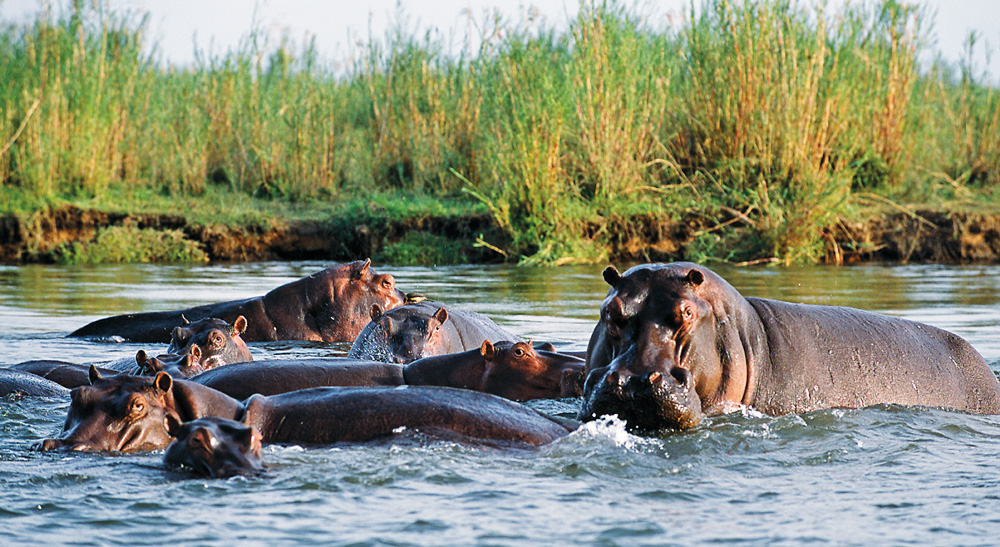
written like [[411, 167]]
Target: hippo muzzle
[[649, 400]]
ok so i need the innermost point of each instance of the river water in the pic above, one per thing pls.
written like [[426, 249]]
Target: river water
[[887, 475]]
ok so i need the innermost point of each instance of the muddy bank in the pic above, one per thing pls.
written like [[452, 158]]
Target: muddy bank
[[917, 237]]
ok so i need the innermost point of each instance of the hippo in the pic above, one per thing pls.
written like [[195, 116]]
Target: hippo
[[676, 342], [276, 376], [216, 448], [68, 375], [421, 329], [326, 415], [17, 383], [137, 413], [218, 341], [328, 306], [513, 370], [126, 413]]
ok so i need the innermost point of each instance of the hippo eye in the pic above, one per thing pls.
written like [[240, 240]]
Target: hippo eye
[[387, 283], [518, 352], [137, 407]]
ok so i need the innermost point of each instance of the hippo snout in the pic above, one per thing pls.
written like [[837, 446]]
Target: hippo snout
[[649, 400]]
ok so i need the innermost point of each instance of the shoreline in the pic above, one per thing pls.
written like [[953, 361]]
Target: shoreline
[[895, 236]]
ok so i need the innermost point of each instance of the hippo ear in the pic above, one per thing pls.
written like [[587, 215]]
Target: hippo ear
[[441, 315], [95, 375], [695, 277], [184, 320], [612, 276], [178, 334], [488, 351], [141, 358], [545, 346], [163, 381], [361, 270], [239, 326], [195, 351], [172, 423], [375, 312]]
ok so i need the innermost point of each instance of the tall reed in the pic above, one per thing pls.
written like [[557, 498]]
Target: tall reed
[[775, 113]]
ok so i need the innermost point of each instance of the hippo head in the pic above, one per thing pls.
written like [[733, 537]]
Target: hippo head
[[519, 371], [408, 333], [665, 349], [215, 447], [177, 366], [355, 293], [118, 413], [217, 341]]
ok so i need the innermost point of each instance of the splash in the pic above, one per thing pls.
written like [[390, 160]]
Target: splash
[[612, 428]]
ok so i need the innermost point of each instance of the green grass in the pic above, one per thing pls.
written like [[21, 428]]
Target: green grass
[[786, 116]]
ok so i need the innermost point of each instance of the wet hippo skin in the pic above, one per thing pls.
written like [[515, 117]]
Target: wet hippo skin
[[676, 342], [329, 306]]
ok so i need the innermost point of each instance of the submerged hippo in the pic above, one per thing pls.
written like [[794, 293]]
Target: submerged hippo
[[216, 448], [18, 383], [276, 376], [68, 375], [136, 413], [676, 342], [513, 370], [218, 342], [328, 306], [421, 329]]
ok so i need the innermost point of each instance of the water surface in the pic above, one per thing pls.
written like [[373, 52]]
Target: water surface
[[887, 475]]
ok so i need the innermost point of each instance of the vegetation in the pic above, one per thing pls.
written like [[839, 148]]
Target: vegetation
[[773, 119]]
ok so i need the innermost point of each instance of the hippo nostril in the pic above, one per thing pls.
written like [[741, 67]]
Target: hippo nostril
[[50, 444], [682, 375], [613, 378]]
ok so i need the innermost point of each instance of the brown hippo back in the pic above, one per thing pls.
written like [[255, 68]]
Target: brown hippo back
[[68, 375], [676, 341], [355, 414], [329, 306], [283, 375], [422, 329]]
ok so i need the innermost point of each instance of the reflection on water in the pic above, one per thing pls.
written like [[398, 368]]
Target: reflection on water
[[886, 475]]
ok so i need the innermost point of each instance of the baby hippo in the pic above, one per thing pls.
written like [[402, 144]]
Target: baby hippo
[[216, 448]]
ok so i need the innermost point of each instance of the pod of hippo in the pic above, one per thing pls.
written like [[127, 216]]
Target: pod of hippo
[[328, 306], [421, 329], [676, 342]]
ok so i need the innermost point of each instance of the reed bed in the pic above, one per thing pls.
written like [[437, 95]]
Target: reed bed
[[771, 118]]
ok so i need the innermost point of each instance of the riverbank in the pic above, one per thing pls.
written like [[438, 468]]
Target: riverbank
[[441, 238]]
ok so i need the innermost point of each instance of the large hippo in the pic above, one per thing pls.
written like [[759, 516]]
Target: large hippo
[[328, 306], [216, 448], [18, 383], [136, 413], [676, 341], [421, 329], [326, 415]]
